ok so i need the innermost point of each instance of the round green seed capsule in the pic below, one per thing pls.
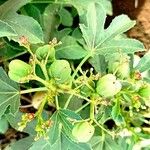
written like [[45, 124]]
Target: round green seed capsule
[[108, 86], [83, 131], [60, 70], [18, 70]]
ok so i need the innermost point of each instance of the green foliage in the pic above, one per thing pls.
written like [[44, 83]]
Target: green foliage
[[9, 93], [6, 29], [3, 125], [70, 49], [79, 107], [20, 24]]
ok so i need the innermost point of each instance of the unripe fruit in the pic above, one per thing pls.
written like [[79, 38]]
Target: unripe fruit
[[42, 52], [120, 65], [60, 70], [83, 131], [108, 86], [18, 70], [145, 92]]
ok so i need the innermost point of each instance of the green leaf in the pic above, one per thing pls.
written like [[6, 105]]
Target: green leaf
[[104, 143], [10, 50], [65, 17], [72, 105], [99, 63], [68, 144], [107, 4], [67, 125], [62, 33], [22, 25], [50, 21], [116, 113], [54, 132], [11, 6], [70, 49], [82, 6], [144, 63], [23, 144], [93, 29], [63, 143], [119, 25], [128, 46], [9, 93], [15, 119], [33, 11], [70, 114], [6, 29], [102, 41], [61, 117], [44, 144], [3, 125], [104, 114]]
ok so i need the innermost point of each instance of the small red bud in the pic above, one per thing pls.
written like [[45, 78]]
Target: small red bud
[[30, 116], [137, 75], [23, 40], [137, 98]]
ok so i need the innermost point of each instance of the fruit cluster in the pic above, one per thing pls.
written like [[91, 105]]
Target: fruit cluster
[[121, 82]]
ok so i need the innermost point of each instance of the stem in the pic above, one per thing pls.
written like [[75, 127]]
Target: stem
[[79, 67], [40, 110], [47, 84], [92, 110], [43, 67], [26, 99], [80, 96], [68, 101], [57, 103], [26, 106], [29, 50], [99, 125], [48, 2], [33, 90], [82, 107]]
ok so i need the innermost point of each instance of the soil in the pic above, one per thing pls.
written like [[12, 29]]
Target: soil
[[139, 12]]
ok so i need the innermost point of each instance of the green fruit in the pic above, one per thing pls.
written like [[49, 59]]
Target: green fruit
[[108, 86], [145, 91], [43, 51], [60, 70], [83, 131], [18, 70], [120, 64]]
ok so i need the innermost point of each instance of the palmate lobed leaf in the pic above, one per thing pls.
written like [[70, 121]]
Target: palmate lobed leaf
[[102, 41], [9, 94], [22, 25], [63, 143], [60, 133]]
